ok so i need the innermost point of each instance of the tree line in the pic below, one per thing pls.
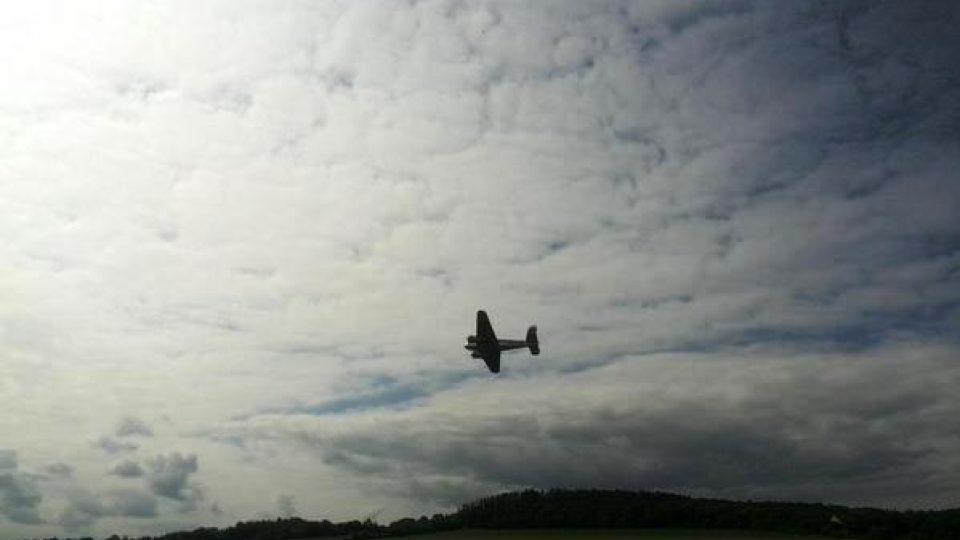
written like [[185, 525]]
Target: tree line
[[610, 509], [633, 509]]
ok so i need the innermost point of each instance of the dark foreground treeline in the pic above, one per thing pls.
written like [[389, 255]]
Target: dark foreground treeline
[[628, 509], [610, 510]]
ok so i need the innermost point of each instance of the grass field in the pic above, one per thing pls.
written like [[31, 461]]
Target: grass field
[[602, 534]]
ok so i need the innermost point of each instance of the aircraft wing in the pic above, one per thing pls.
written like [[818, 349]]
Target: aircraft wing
[[492, 359], [485, 330]]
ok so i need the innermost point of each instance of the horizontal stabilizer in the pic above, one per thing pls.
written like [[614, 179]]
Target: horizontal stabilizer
[[532, 341]]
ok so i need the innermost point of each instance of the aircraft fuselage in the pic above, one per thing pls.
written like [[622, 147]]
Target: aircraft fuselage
[[501, 344]]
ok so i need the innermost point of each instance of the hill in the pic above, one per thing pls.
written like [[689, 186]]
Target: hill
[[629, 509], [605, 509]]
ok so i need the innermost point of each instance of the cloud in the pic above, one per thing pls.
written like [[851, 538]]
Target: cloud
[[133, 503], [302, 221], [128, 469], [85, 508], [168, 476], [130, 426], [8, 459], [799, 427], [113, 446], [60, 470], [20, 497]]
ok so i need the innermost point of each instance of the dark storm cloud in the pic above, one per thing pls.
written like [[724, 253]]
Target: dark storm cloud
[[20, 498], [85, 508], [130, 426], [168, 476], [809, 428], [128, 469]]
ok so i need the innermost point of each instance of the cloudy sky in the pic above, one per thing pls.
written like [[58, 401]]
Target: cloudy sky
[[241, 243]]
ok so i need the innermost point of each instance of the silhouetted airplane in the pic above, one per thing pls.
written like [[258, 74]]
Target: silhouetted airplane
[[486, 345]]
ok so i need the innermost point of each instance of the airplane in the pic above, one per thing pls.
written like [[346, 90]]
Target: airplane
[[485, 344]]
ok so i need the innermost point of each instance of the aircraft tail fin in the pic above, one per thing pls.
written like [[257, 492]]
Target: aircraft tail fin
[[532, 341]]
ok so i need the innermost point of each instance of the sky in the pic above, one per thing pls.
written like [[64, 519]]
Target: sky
[[242, 242]]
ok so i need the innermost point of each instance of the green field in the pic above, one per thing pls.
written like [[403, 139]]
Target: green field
[[609, 534]]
